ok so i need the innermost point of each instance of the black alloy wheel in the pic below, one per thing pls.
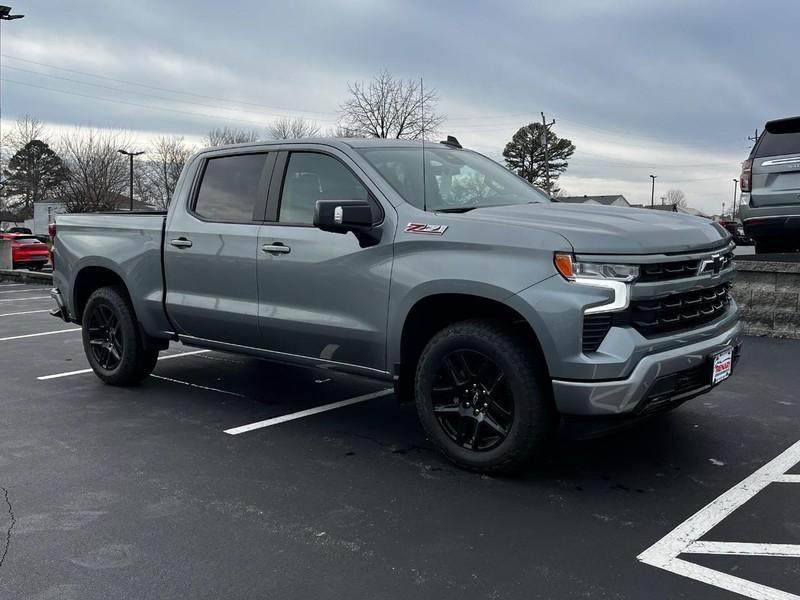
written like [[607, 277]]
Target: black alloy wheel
[[118, 351], [105, 337], [483, 398], [472, 401]]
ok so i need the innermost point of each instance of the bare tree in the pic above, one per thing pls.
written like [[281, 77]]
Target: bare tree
[[98, 174], [342, 131], [220, 136], [676, 197], [292, 129], [386, 107], [26, 130], [155, 181]]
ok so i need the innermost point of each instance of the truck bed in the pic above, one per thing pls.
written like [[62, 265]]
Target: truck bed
[[127, 243]]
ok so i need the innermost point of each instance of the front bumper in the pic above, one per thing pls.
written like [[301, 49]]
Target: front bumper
[[647, 388]]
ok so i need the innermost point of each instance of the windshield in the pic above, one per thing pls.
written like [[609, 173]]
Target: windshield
[[454, 179]]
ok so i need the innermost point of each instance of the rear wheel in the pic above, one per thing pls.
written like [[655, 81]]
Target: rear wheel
[[112, 341], [481, 397]]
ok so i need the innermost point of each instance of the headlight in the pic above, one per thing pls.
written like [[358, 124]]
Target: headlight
[[610, 276], [572, 270]]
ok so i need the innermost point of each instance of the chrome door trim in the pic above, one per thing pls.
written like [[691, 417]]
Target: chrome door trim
[[781, 161], [276, 248]]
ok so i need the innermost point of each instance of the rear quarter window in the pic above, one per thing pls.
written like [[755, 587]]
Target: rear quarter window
[[782, 137]]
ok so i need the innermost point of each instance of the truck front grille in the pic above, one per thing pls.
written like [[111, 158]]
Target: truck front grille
[[679, 311], [669, 270], [682, 269]]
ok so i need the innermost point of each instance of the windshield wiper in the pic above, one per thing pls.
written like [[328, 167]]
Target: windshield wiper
[[456, 209]]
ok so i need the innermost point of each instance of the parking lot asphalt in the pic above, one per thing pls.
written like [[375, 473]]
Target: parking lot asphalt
[[140, 493]]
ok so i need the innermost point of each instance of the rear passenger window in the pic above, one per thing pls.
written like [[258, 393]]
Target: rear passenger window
[[230, 188], [311, 177]]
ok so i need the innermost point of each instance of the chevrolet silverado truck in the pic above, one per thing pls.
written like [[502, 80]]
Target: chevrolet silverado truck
[[499, 312]]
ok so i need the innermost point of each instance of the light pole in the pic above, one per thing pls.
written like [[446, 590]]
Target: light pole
[[5, 15], [735, 187], [131, 155], [652, 190]]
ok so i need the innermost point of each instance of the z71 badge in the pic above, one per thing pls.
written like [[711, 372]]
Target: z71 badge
[[426, 229]]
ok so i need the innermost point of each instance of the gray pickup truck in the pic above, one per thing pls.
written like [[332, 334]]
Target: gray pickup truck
[[499, 312]]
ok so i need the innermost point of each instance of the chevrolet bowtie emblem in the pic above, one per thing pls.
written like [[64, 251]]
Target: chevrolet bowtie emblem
[[715, 262]]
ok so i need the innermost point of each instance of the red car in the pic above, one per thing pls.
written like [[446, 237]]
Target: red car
[[27, 251]]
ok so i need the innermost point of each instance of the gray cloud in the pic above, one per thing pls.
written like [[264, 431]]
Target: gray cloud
[[637, 85]]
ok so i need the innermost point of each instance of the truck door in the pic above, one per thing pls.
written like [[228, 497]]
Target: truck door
[[321, 295], [211, 245]]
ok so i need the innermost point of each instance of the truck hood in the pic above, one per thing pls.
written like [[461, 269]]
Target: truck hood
[[610, 229]]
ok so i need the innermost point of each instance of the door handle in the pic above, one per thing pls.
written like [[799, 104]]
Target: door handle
[[181, 243], [276, 248]]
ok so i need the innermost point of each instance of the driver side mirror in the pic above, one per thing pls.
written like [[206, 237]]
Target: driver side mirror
[[342, 216]]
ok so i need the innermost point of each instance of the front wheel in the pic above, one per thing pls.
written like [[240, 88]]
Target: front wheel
[[112, 341], [481, 397]]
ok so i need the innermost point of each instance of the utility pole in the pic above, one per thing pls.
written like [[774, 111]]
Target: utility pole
[[545, 130], [653, 190], [131, 155], [735, 187], [754, 138], [722, 216], [5, 15]]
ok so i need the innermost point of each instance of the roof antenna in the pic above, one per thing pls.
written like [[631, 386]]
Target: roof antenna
[[422, 110]]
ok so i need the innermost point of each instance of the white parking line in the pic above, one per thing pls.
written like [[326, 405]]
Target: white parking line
[[4, 285], [20, 291], [743, 548], [684, 538], [307, 413], [24, 312], [29, 298], [30, 335], [82, 371]]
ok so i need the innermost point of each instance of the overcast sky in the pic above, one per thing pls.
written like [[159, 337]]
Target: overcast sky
[[671, 88]]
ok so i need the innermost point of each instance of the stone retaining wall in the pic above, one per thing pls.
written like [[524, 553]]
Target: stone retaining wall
[[768, 294]]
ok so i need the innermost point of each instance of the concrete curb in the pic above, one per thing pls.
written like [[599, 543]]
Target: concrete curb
[[23, 276]]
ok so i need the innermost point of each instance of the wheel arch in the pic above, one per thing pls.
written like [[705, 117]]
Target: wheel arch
[[90, 278], [433, 312]]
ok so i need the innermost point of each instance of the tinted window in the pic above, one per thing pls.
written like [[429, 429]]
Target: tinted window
[[454, 179], [311, 177], [230, 188], [781, 137], [26, 240]]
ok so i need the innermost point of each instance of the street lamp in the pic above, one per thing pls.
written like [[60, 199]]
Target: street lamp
[[653, 189], [131, 155], [5, 15], [735, 186]]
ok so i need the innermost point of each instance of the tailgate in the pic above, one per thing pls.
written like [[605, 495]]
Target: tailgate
[[776, 165]]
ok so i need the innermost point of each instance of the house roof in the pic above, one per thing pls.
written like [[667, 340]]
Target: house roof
[[607, 200]]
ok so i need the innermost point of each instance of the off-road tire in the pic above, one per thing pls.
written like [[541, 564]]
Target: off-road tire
[[532, 431], [136, 359]]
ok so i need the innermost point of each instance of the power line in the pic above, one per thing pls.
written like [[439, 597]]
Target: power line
[[136, 104], [116, 89], [163, 89], [294, 110]]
